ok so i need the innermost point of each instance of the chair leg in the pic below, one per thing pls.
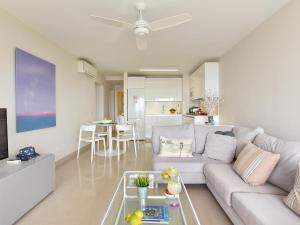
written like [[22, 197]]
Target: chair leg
[[134, 141], [98, 146], [118, 149], [125, 146], [104, 147], [78, 149]]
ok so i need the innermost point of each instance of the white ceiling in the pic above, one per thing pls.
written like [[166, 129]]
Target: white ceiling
[[217, 25]]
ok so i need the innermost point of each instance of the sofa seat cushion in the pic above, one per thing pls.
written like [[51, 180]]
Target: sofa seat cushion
[[201, 133], [263, 209], [225, 182]]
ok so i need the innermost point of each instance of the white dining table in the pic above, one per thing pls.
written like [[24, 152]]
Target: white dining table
[[111, 152]]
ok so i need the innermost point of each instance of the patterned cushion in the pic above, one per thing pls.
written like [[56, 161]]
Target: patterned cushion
[[293, 199], [174, 147], [255, 165]]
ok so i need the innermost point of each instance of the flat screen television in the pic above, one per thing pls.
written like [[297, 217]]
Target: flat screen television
[[3, 134]]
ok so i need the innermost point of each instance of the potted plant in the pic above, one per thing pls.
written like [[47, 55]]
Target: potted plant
[[142, 183], [172, 110]]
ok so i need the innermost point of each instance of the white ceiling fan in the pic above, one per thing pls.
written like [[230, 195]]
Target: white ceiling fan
[[141, 27]]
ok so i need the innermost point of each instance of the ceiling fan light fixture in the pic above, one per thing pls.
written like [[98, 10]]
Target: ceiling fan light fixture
[[141, 31]]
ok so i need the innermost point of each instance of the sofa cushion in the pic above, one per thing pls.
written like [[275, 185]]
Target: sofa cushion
[[220, 147], [255, 165], [263, 209], [175, 147], [284, 173], [190, 169], [226, 182], [182, 131], [201, 133], [245, 135], [194, 164]]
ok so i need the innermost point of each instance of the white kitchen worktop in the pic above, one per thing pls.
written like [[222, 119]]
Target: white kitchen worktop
[[192, 116], [164, 115]]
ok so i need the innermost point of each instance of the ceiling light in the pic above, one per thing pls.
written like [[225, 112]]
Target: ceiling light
[[159, 70]]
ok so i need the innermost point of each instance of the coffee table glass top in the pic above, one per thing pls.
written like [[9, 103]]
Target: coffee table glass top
[[125, 200]]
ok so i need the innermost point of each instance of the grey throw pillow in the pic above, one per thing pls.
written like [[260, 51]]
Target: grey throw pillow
[[220, 147], [245, 135], [201, 133], [284, 173]]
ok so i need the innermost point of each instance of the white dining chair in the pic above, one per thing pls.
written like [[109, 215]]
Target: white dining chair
[[104, 133], [87, 134], [137, 131], [125, 133]]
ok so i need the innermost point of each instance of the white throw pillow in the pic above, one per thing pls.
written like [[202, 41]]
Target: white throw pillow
[[220, 147], [174, 147]]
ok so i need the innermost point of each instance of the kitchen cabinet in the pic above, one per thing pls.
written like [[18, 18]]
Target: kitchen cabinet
[[187, 119], [160, 120], [205, 78], [163, 89]]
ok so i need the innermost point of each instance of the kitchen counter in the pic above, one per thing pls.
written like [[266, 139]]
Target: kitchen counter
[[192, 116], [163, 115], [194, 119]]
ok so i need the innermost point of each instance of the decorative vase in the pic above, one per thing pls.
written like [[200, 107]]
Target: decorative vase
[[142, 193], [174, 188], [211, 120]]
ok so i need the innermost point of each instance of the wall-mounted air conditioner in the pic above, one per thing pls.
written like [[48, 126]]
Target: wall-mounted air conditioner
[[86, 68]]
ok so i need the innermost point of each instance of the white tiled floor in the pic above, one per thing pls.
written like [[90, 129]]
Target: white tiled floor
[[83, 191]]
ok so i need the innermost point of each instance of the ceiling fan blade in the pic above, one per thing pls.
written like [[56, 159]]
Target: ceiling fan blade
[[170, 22], [111, 22], [141, 42]]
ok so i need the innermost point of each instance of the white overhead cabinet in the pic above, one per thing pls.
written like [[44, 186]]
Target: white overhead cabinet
[[163, 89], [205, 78]]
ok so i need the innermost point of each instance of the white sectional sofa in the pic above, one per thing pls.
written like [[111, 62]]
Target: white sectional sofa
[[243, 203]]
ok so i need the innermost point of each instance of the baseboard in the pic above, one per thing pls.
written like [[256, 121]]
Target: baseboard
[[70, 156]]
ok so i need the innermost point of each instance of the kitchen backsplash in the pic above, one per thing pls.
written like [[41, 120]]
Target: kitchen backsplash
[[156, 108]]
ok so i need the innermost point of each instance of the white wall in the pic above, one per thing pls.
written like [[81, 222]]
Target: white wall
[[75, 94], [261, 76], [117, 88]]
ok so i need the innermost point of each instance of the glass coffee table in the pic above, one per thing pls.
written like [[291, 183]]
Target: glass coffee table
[[125, 200]]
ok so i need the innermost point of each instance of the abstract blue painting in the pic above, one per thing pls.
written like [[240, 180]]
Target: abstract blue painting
[[35, 92]]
